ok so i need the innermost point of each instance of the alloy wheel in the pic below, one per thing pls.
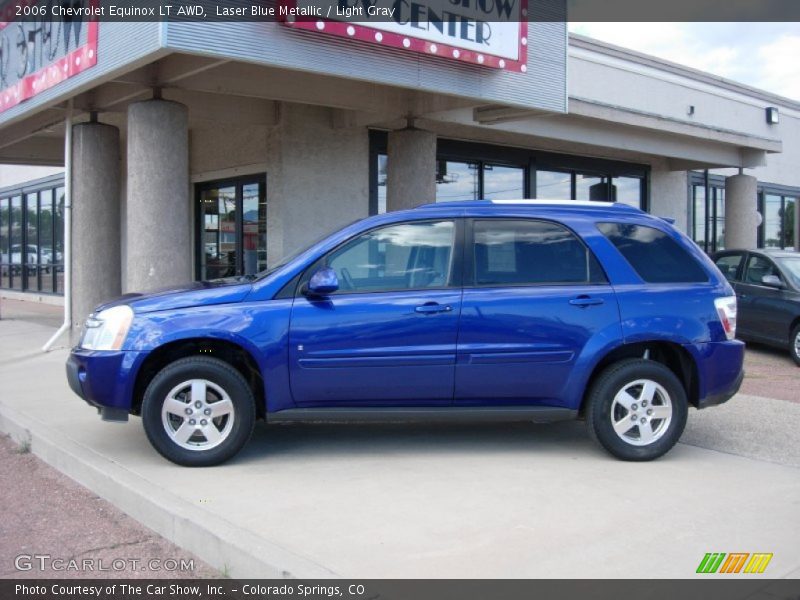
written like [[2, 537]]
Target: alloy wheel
[[197, 415], [641, 412]]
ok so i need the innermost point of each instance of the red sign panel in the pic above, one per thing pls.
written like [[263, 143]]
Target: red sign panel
[[35, 56]]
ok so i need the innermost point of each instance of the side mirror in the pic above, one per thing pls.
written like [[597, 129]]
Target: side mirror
[[772, 281], [322, 283]]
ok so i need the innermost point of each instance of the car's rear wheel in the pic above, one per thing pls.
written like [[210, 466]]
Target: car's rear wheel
[[794, 345], [636, 409], [198, 411]]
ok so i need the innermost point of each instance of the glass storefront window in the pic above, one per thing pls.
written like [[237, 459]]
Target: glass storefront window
[[382, 174], [29, 261], [47, 257], [628, 190], [592, 187], [218, 218], [58, 233], [789, 222], [232, 228], [718, 226], [5, 259], [553, 185], [16, 250], [457, 181], [466, 171], [254, 229], [31, 257], [708, 217], [699, 204], [503, 183], [772, 221], [779, 226]]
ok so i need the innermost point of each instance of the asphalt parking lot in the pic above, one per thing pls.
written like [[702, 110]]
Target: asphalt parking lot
[[771, 373], [436, 501]]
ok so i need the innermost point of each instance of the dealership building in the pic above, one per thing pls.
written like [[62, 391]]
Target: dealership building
[[205, 150]]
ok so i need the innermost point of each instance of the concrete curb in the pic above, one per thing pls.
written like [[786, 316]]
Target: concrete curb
[[229, 548]]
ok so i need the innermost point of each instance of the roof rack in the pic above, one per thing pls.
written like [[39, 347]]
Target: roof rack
[[529, 202]]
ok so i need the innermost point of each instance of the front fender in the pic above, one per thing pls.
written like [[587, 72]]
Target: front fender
[[260, 328]]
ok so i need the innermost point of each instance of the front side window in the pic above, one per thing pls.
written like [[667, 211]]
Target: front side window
[[527, 252], [759, 267], [407, 256], [655, 256], [729, 265]]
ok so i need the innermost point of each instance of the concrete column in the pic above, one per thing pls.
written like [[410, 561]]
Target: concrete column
[[158, 224], [411, 169], [95, 219], [741, 212]]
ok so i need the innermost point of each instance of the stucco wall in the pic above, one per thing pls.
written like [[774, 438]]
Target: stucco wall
[[323, 180], [668, 195], [616, 82], [782, 168], [317, 175]]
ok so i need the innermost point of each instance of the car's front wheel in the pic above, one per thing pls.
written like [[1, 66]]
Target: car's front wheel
[[198, 411], [636, 409]]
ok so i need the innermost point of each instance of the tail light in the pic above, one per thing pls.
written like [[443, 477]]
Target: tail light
[[726, 310]]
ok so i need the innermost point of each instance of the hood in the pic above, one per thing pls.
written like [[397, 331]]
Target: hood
[[201, 293]]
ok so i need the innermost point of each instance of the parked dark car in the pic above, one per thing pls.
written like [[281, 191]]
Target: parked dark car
[[502, 310], [767, 284]]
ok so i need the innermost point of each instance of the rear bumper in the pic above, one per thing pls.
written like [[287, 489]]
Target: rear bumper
[[722, 397], [104, 380], [722, 372]]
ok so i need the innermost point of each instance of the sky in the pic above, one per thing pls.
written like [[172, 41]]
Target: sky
[[763, 55]]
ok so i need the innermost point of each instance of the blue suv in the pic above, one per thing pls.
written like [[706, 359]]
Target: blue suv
[[484, 310]]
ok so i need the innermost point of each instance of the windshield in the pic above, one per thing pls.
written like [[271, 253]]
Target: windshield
[[791, 266]]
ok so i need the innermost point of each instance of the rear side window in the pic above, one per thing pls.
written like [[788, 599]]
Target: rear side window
[[654, 255], [528, 252]]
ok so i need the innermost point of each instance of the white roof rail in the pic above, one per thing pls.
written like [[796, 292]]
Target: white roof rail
[[556, 202]]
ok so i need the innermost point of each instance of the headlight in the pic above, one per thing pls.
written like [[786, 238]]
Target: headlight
[[107, 329]]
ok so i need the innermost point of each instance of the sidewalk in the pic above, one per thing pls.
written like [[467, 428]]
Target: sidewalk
[[428, 501]]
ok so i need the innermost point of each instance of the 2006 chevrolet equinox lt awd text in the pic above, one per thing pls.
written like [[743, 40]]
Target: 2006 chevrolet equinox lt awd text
[[486, 310]]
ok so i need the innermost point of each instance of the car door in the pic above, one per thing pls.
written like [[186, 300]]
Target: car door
[[534, 296], [763, 313], [388, 335]]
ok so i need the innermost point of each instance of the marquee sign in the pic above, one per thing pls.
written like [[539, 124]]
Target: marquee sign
[[491, 33], [37, 55]]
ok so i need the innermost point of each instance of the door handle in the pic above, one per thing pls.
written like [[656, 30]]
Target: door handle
[[433, 307], [584, 301]]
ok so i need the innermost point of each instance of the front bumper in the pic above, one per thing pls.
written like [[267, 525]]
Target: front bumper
[[105, 380]]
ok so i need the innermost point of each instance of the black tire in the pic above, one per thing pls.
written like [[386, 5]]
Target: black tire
[[601, 401], [794, 345], [221, 376]]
